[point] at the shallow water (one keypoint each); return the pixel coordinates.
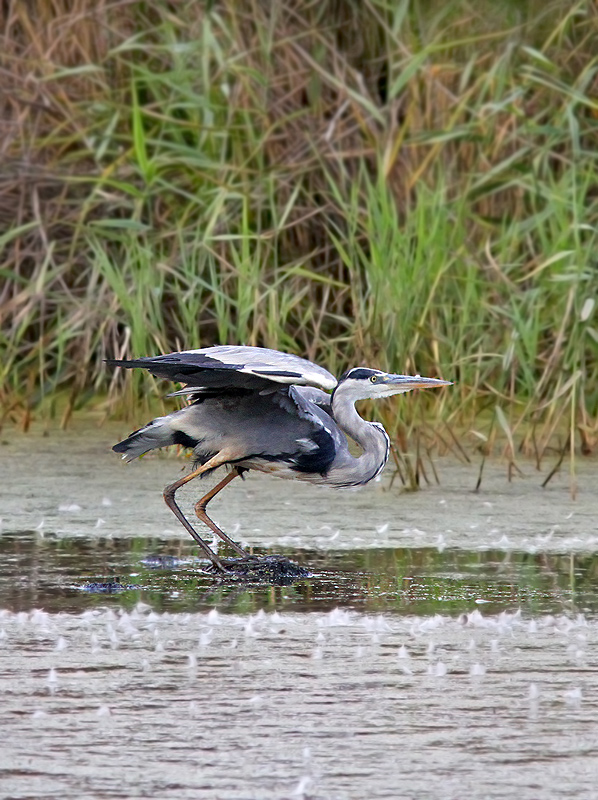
(445, 645)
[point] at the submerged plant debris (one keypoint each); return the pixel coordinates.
(106, 587)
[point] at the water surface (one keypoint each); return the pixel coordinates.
(445, 645)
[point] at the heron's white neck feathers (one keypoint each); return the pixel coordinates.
(349, 470)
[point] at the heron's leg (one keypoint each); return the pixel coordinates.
(169, 493)
(200, 510)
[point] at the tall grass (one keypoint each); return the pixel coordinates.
(406, 184)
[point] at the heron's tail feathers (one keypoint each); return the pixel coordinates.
(158, 433)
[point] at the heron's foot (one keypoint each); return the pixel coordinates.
(276, 570)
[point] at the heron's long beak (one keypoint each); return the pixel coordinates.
(405, 383)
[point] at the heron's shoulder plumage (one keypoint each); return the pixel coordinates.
(309, 396)
(230, 366)
(312, 406)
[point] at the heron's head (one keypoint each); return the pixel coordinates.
(361, 383)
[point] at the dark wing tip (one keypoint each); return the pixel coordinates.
(124, 362)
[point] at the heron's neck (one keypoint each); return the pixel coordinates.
(371, 437)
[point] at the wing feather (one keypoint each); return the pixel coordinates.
(233, 367)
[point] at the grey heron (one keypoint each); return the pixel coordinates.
(257, 409)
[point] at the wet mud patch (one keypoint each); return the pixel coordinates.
(270, 569)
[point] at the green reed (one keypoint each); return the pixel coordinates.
(407, 185)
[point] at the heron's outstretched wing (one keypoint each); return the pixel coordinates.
(255, 368)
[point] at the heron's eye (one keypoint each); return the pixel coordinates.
(373, 378)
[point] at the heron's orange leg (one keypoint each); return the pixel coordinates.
(200, 510)
(169, 493)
